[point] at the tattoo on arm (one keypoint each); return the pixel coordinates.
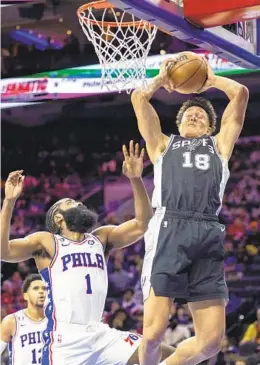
(41, 253)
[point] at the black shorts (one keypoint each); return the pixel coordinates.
(184, 257)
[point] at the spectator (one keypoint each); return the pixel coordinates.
(114, 306)
(252, 334)
(119, 279)
(176, 333)
(129, 304)
(121, 321)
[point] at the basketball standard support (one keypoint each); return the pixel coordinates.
(169, 16)
(258, 36)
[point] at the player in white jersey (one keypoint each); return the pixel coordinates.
(73, 265)
(22, 330)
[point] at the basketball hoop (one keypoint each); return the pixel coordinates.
(121, 42)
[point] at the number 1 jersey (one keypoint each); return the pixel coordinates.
(76, 282)
(190, 176)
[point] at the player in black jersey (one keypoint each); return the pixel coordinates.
(184, 243)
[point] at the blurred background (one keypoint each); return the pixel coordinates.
(72, 148)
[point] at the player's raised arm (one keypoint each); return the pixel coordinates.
(18, 249)
(8, 326)
(148, 121)
(131, 231)
(234, 115)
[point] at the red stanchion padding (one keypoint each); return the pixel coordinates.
(207, 13)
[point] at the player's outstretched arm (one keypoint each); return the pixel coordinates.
(131, 231)
(18, 249)
(234, 115)
(148, 121)
(8, 327)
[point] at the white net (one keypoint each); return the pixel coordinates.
(122, 48)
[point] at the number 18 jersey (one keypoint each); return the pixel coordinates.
(76, 282)
(190, 176)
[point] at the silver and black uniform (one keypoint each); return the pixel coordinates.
(184, 256)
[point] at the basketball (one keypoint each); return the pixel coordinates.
(189, 73)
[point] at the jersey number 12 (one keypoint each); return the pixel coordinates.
(36, 356)
(201, 162)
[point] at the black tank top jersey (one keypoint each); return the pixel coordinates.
(190, 176)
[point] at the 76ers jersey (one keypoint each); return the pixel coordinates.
(190, 176)
(76, 282)
(25, 347)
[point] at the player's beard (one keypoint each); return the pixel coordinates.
(79, 219)
(39, 305)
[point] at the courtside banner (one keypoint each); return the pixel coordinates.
(83, 81)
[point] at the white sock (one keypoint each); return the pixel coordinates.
(163, 363)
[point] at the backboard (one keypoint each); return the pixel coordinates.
(239, 44)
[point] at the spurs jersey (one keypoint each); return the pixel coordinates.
(76, 282)
(25, 347)
(190, 176)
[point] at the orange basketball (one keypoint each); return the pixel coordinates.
(189, 73)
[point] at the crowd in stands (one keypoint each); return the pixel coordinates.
(62, 169)
(18, 59)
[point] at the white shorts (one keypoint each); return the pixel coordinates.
(95, 344)
(151, 240)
